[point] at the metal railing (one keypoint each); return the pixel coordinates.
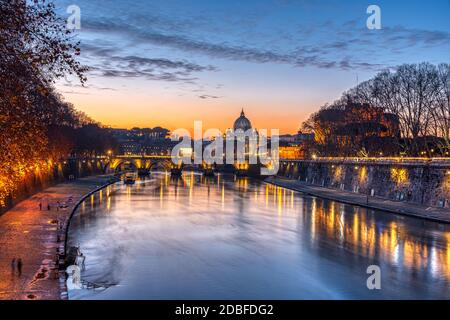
(445, 162)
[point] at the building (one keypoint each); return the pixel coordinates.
(144, 141)
(295, 139)
(242, 124)
(291, 152)
(130, 147)
(294, 146)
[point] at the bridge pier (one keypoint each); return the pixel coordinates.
(143, 172)
(208, 170)
(176, 172)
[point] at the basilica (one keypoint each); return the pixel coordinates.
(243, 124)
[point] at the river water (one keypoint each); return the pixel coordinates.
(228, 238)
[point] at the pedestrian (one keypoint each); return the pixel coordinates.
(19, 266)
(57, 205)
(48, 207)
(40, 206)
(13, 266)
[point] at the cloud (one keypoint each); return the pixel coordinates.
(73, 85)
(207, 96)
(415, 37)
(326, 45)
(108, 64)
(74, 92)
(303, 57)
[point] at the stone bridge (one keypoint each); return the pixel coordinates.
(120, 163)
(146, 163)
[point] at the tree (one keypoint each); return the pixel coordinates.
(35, 50)
(347, 128)
(441, 110)
(415, 96)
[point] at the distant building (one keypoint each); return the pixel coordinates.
(295, 139)
(294, 146)
(244, 124)
(291, 152)
(287, 139)
(144, 141)
(130, 148)
(304, 137)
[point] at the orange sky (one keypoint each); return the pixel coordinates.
(169, 65)
(117, 109)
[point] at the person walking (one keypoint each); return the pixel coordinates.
(40, 206)
(19, 266)
(48, 207)
(13, 266)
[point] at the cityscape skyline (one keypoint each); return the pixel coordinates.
(207, 58)
(174, 151)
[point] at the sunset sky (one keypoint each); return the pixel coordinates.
(170, 62)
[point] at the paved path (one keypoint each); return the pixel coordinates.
(31, 234)
(398, 207)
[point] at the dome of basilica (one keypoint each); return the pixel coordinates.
(242, 123)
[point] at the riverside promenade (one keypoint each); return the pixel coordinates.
(404, 208)
(31, 234)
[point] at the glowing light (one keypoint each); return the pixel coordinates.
(399, 175)
(363, 175)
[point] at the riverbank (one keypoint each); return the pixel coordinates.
(35, 236)
(397, 207)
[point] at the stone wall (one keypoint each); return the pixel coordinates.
(44, 178)
(421, 182)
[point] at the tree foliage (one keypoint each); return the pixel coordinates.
(36, 125)
(413, 99)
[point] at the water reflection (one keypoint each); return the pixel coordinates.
(232, 238)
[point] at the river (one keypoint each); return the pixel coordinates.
(238, 238)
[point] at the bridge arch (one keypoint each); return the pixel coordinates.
(165, 164)
(136, 162)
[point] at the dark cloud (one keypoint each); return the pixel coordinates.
(415, 37)
(74, 92)
(146, 63)
(108, 64)
(345, 46)
(73, 85)
(303, 57)
(207, 96)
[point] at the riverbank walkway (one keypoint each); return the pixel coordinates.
(31, 234)
(397, 207)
